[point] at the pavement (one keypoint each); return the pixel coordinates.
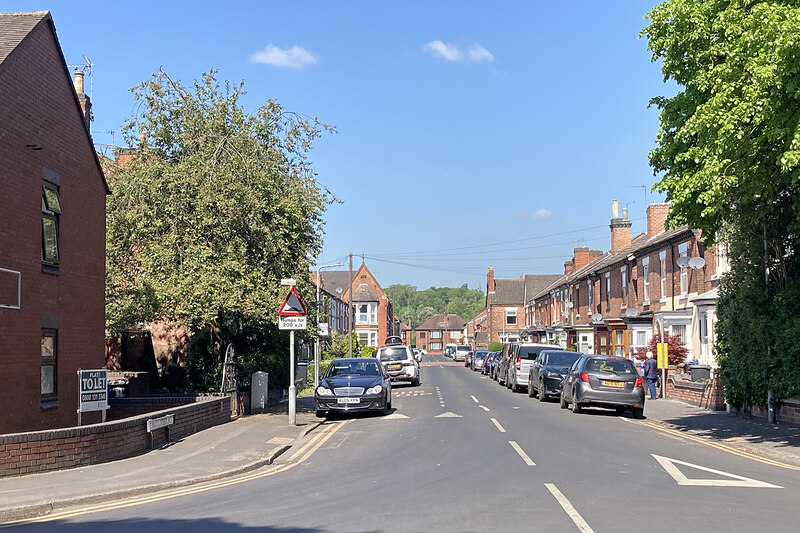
(251, 442)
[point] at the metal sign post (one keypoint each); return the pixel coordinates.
(292, 316)
(662, 351)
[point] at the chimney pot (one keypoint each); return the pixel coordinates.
(79, 81)
(614, 209)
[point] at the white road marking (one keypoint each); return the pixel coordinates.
(573, 514)
(521, 453)
(625, 419)
(448, 414)
(496, 423)
(681, 479)
(474, 399)
(484, 408)
(393, 416)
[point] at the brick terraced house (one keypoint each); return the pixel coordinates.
(52, 230)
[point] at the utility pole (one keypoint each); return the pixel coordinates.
(350, 311)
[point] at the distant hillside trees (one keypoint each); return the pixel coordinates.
(419, 305)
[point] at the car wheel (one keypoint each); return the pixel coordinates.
(514, 387)
(561, 401)
(415, 382)
(542, 395)
(638, 412)
(530, 388)
(576, 407)
(620, 409)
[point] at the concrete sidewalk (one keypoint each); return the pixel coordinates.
(239, 446)
(778, 442)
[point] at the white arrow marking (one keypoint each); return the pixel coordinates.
(735, 481)
(448, 414)
(484, 408)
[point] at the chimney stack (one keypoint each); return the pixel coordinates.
(620, 228)
(85, 102)
(583, 256)
(656, 219)
(490, 280)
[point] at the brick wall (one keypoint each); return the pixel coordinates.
(42, 451)
(40, 109)
(708, 395)
(787, 410)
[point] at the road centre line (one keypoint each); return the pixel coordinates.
(570, 510)
(312, 445)
(474, 399)
(521, 453)
(722, 447)
(496, 423)
(484, 408)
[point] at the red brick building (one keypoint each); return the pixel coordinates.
(52, 231)
(440, 330)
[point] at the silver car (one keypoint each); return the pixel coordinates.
(520, 363)
(603, 381)
(478, 359)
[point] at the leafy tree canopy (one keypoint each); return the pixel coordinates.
(419, 305)
(214, 209)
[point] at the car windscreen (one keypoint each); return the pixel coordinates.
(353, 368)
(464, 348)
(392, 354)
(481, 353)
(528, 352)
(616, 366)
(562, 358)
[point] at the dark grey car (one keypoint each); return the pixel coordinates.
(548, 372)
(478, 359)
(603, 381)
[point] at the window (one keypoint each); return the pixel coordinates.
(680, 330)
(436, 346)
(421, 334)
(641, 338)
(662, 257)
(49, 357)
(368, 338)
(623, 275)
(589, 293)
(51, 210)
(367, 313)
(436, 334)
(608, 290)
(646, 275)
(683, 251)
(619, 343)
(721, 252)
(511, 316)
(455, 335)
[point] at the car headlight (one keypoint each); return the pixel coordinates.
(323, 391)
(377, 389)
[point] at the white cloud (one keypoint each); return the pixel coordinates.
(446, 51)
(539, 214)
(451, 52)
(478, 53)
(294, 57)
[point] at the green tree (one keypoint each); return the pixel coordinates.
(729, 150)
(217, 206)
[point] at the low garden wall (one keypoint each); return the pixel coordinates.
(42, 451)
(708, 395)
(786, 410)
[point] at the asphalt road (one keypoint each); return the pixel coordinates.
(461, 453)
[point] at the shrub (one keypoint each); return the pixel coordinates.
(495, 346)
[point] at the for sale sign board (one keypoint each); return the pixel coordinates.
(93, 390)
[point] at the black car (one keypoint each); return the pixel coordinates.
(354, 384)
(548, 372)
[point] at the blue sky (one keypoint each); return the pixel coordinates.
(469, 133)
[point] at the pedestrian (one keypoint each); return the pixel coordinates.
(651, 374)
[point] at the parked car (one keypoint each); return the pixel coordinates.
(399, 362)
(393, 339)
(488, 362)
(548, 372)
(450, 350)
(519, 365)
(461, 351)
(353, 384)
(478, 358)
(501, 367)
(417, 354)
(603, 381)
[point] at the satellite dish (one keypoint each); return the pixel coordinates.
(631, 312)
(697, 263)
(682, 261)
(569, 305)
(339, 290)
(597, 317)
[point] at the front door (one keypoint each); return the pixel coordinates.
(603, 342)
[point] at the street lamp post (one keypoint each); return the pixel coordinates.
(316, 345)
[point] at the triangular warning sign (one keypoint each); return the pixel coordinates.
(293, 306)
(731, 480)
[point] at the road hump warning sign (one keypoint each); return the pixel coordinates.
(293, 306)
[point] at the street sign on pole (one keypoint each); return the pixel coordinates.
(663, 350)
(293, 305)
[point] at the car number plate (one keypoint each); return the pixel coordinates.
(615, 384)
(396, 366)
(348, 400)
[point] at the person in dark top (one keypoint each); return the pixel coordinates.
(651, 374)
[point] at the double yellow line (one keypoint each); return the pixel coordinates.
(719, 446)
(297, 458)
